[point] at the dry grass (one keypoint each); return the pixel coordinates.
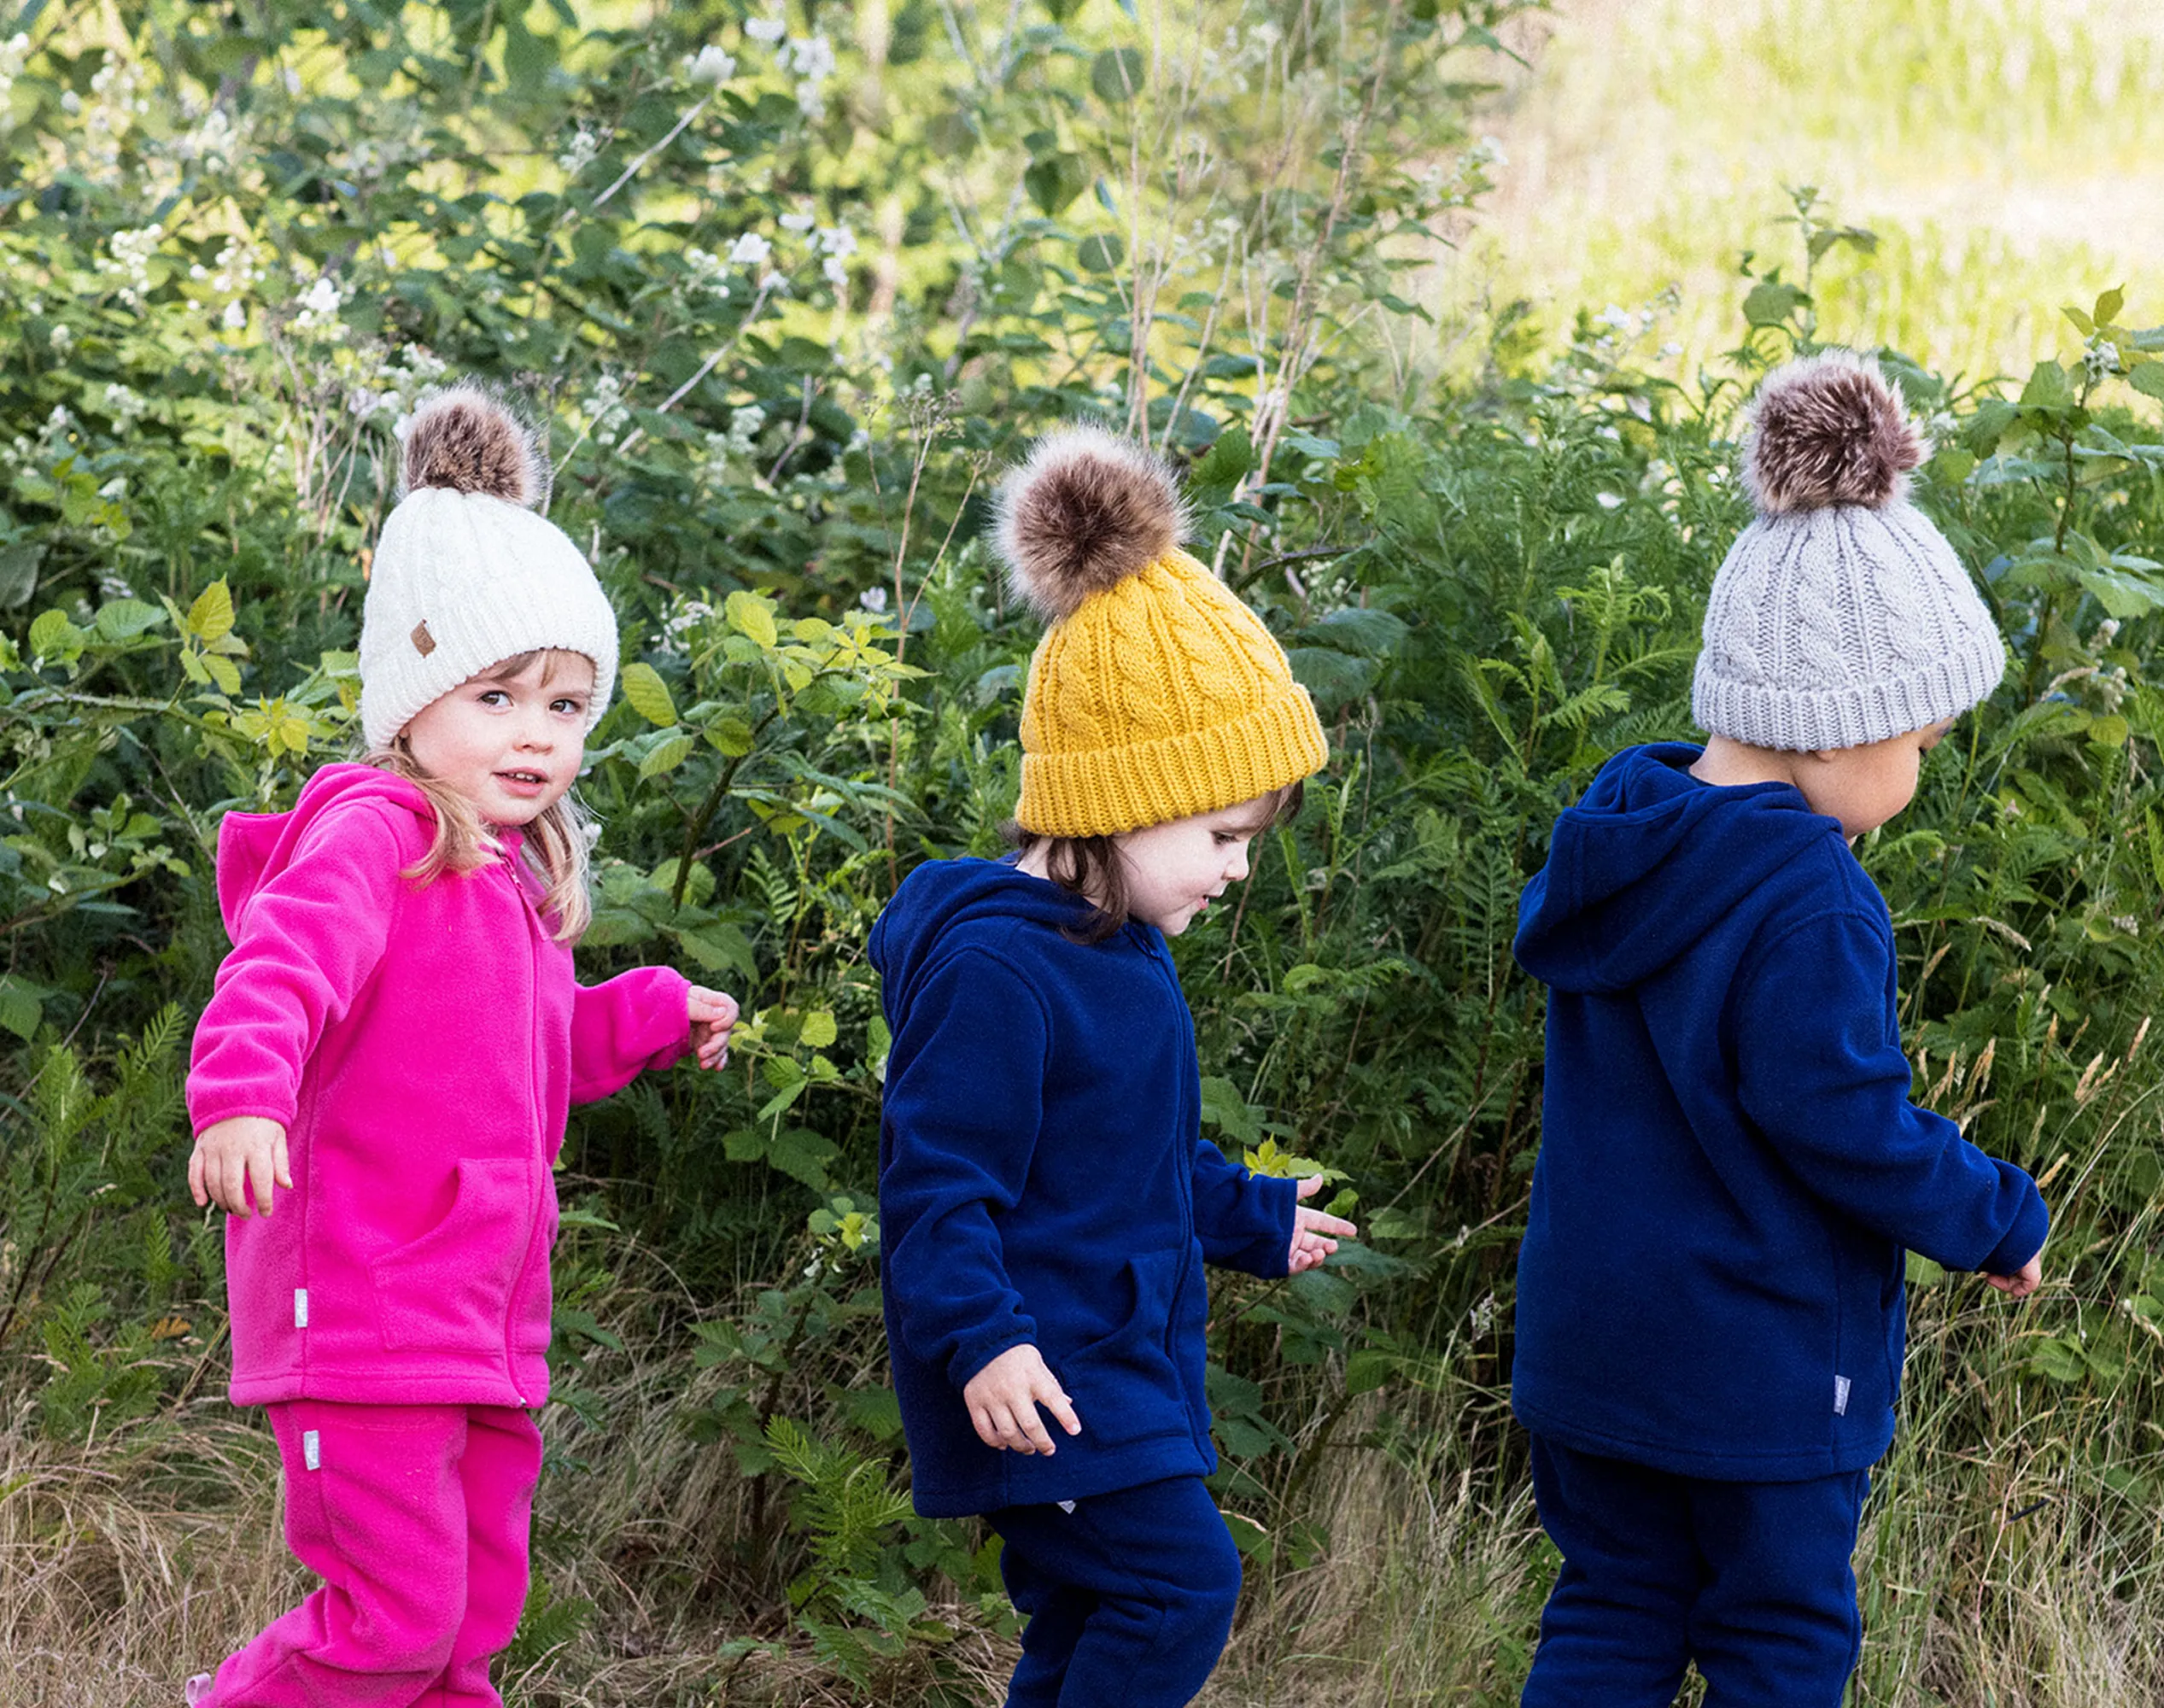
(2007, 151)
(126, 1563)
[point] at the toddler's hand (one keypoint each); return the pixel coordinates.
(1003, 1399)
(2020, 1286)
(231, 1156)
(712, 1016)
(1314, 1235)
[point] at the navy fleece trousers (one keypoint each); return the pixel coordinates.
(1129, 1597)
(1751, 1581)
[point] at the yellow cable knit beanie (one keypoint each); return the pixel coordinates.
(1155, 694)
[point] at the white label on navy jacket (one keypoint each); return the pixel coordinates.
(1840, 1396)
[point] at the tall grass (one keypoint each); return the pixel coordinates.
(2009, 153)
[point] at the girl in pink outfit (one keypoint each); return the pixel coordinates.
(380, 1080)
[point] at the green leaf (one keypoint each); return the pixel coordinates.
(1116, 75)
(2106, 311)
(731, 735)
(223, 672)
(819, 1029)
(54, 638)
(719, 947)
(1218, 473)
(1770, 302)
(21, 1005)
(123, 619)
(648, 694)
(1101, 253)
(2048, 388)
(1054, 180)
(752, 617)
(19, 572)
(2082, 322)
(2149, 379)
(211, 617)
(665, 756)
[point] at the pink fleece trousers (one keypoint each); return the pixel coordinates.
(416, 1519)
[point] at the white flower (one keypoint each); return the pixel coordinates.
(62, 339)
(126, 407)
(810, 56)
(835, 240)
(130, 261)
(1614, 316)
(320, 306)
(217, 138)
(709, 65)
(874, 599)
(578, 153)
(235, 318)
(765, 29)
(797, 222)
(750, 250)
(744, 427)
(836, 271)
(13, 53)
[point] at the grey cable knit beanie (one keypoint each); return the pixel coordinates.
(1841, 616)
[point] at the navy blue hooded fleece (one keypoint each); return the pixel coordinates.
(1730, 1168)
(1043, 1178)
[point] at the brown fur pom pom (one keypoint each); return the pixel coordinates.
(467, 441)
(1086, 510)
(1829, 429)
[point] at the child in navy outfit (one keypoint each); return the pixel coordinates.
(1710, 1312)
(1047, 1199)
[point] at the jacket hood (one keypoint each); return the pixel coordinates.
(942, 894)
(1648, 862)
(255, 847)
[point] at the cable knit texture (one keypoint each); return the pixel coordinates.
(1156, 694)
(1841, 616)
(466, 576)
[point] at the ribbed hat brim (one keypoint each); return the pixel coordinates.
(1109, 791)
(1804, 720)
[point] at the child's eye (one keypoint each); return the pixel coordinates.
(495, 696)
(568, 708)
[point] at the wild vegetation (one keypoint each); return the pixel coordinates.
(788, 289)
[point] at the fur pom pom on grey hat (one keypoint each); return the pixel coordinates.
(1841, 616)
(466, 574)
(1085, 511)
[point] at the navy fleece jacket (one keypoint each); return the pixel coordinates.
(1730, 1168)
(1043, 1178)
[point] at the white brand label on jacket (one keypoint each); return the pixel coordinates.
(1065, 1506)
(300, 1308)
(312, 1450)
(1840, 1396)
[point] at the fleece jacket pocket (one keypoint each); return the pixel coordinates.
(1124, 1386)
(451, 1287)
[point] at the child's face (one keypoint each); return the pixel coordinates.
(1864, 786)
(510, 743)
(1174, 870)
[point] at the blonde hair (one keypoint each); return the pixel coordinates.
(557, 842)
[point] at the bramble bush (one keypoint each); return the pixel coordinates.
(787, 291)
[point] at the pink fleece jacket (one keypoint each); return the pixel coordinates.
(421, 1045)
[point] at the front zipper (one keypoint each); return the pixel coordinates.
(1185, 1176)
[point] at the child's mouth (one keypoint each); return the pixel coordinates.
(523, 782)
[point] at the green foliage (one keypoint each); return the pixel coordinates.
(221, 288)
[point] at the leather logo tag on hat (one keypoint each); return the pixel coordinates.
(423, 642)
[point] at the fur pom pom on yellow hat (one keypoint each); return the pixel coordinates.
(1155, 694)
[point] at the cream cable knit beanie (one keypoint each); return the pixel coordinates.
(466, 575)
(1841, 616)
